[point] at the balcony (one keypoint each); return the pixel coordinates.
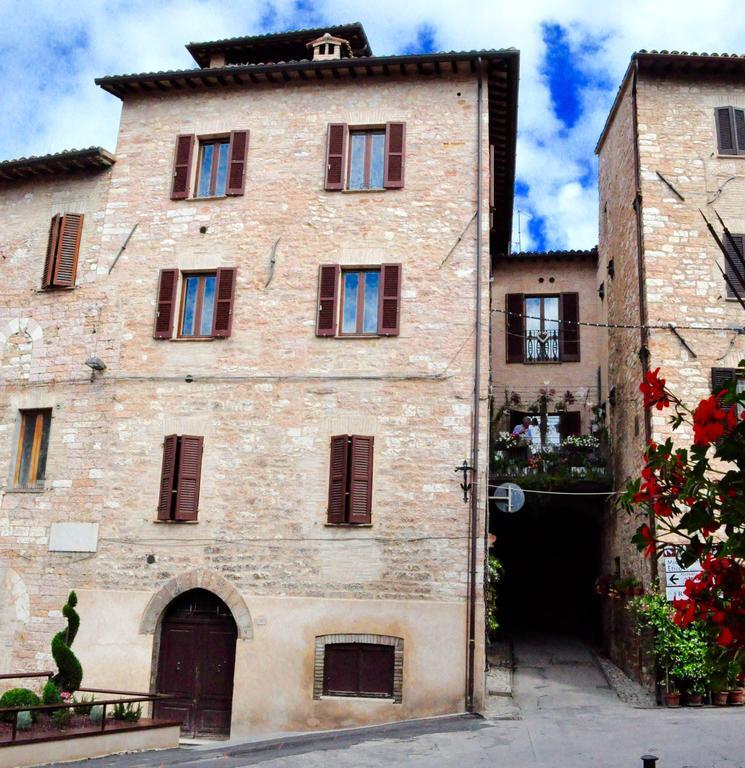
(542, 347)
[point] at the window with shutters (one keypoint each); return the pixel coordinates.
(368, 300)
(31, 450)
(734, 266)
(205, 307)
(350, 480)
(364, 158)
(542, 328)
(63, 247)
(180, 478)
(220, 165)
(212, 169)
(730, 126)
(358, 669)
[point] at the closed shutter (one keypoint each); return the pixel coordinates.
(336, 147)
(570, 423)
(167, 478)
(569, 329)
(189, 475)
(341, 669)
(721, 378)
(376, 669)
(166, 305)
(222, 321)
(725, 131)
(238, 153)
(395, 149)
(338, 479)
(734, 266)
(182, 166)
(328, 289)
(68, 247)
(360, 479)
(514, 324)
(54, 227)
(390, 300)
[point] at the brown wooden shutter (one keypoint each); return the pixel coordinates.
(166, 305)
(54, 227)
(222, 322)
(68, 247)
(338, 479)
(389, 300)
(189, 475)
(336, 150)
(167, 478)
(514, 324)
(182, 166)
(737, 275)
(395, 143)
(570, 423)
(739, 119)
(569, 328)
(720, 379)
(725, 131)
(238, 153)
(360, 479)
(328, 289)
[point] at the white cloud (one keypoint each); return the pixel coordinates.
(51, 53)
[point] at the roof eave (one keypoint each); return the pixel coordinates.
(91, 159)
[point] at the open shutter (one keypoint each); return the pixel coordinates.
(182, 166)
(725, 131)
(569, 329)
(336, 149)
(238, 153)
(570, 423)
(395, 143)
(222, 321)
(165, 500)
(720, 379)
(739, 119)
(338, 479)
(48, 276)
(68, 247)
(736, 275)
(360, 479)
(390, 300)
(328, 289)
(166, 304)
(514, 324)
(189, 474)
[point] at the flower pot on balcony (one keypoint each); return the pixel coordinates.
(672, 699)
(720, 698)
(736, 698)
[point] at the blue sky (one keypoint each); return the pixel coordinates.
(573, 56)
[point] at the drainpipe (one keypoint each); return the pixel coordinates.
(474, 537)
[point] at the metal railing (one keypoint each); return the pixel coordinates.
(542, 347)
(124, 697)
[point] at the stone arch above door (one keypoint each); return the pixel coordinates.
(198, 580)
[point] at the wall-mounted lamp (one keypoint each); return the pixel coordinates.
(95, 364)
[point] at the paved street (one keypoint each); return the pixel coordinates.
(569, 718)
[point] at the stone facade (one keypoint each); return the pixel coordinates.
(266, 400)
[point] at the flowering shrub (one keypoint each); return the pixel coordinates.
(695, 498)
(581, 441)
(504, 441)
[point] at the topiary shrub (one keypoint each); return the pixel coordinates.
(24, 721)
(18, 697)
(50, 693)
(70, 673)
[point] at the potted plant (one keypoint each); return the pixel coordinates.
(736, 694)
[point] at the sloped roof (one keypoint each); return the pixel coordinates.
(67, 161)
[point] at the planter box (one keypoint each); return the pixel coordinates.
(147, 734)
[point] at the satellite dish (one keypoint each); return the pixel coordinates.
(510, 497)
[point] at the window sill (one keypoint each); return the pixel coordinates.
(730, 157)
(346, 697)
(206, 197)
(56, 289)
(364, 191)
(358, 336)
(192, 338)
(348, 525)
(25, 490)
(175, 522)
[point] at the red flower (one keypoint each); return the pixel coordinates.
(710, 422)
(646, 534)
(725, 637)
(653, 389)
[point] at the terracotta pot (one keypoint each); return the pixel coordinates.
(720, 698)
(672, 699)
(694, 699)
(736, 698)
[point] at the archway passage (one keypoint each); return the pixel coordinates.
(196, 662)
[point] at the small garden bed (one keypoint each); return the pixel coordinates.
(79, 725)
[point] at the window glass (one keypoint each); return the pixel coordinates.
(191, 293)
(553, 433)
(551, 313)
(351, 287)
(377, 156)
(31, 456)
(222, 169)
(370, 317)
(533, 312)
(205, 170)
(208, 306)
(357, 161)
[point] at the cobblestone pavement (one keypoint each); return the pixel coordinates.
(570, 717)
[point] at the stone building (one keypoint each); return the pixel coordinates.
(670, 150)
(241, 360)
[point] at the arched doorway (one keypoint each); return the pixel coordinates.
(196, 661)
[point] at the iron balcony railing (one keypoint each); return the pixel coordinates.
(542, 347)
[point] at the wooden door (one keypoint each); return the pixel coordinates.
(196, 663)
